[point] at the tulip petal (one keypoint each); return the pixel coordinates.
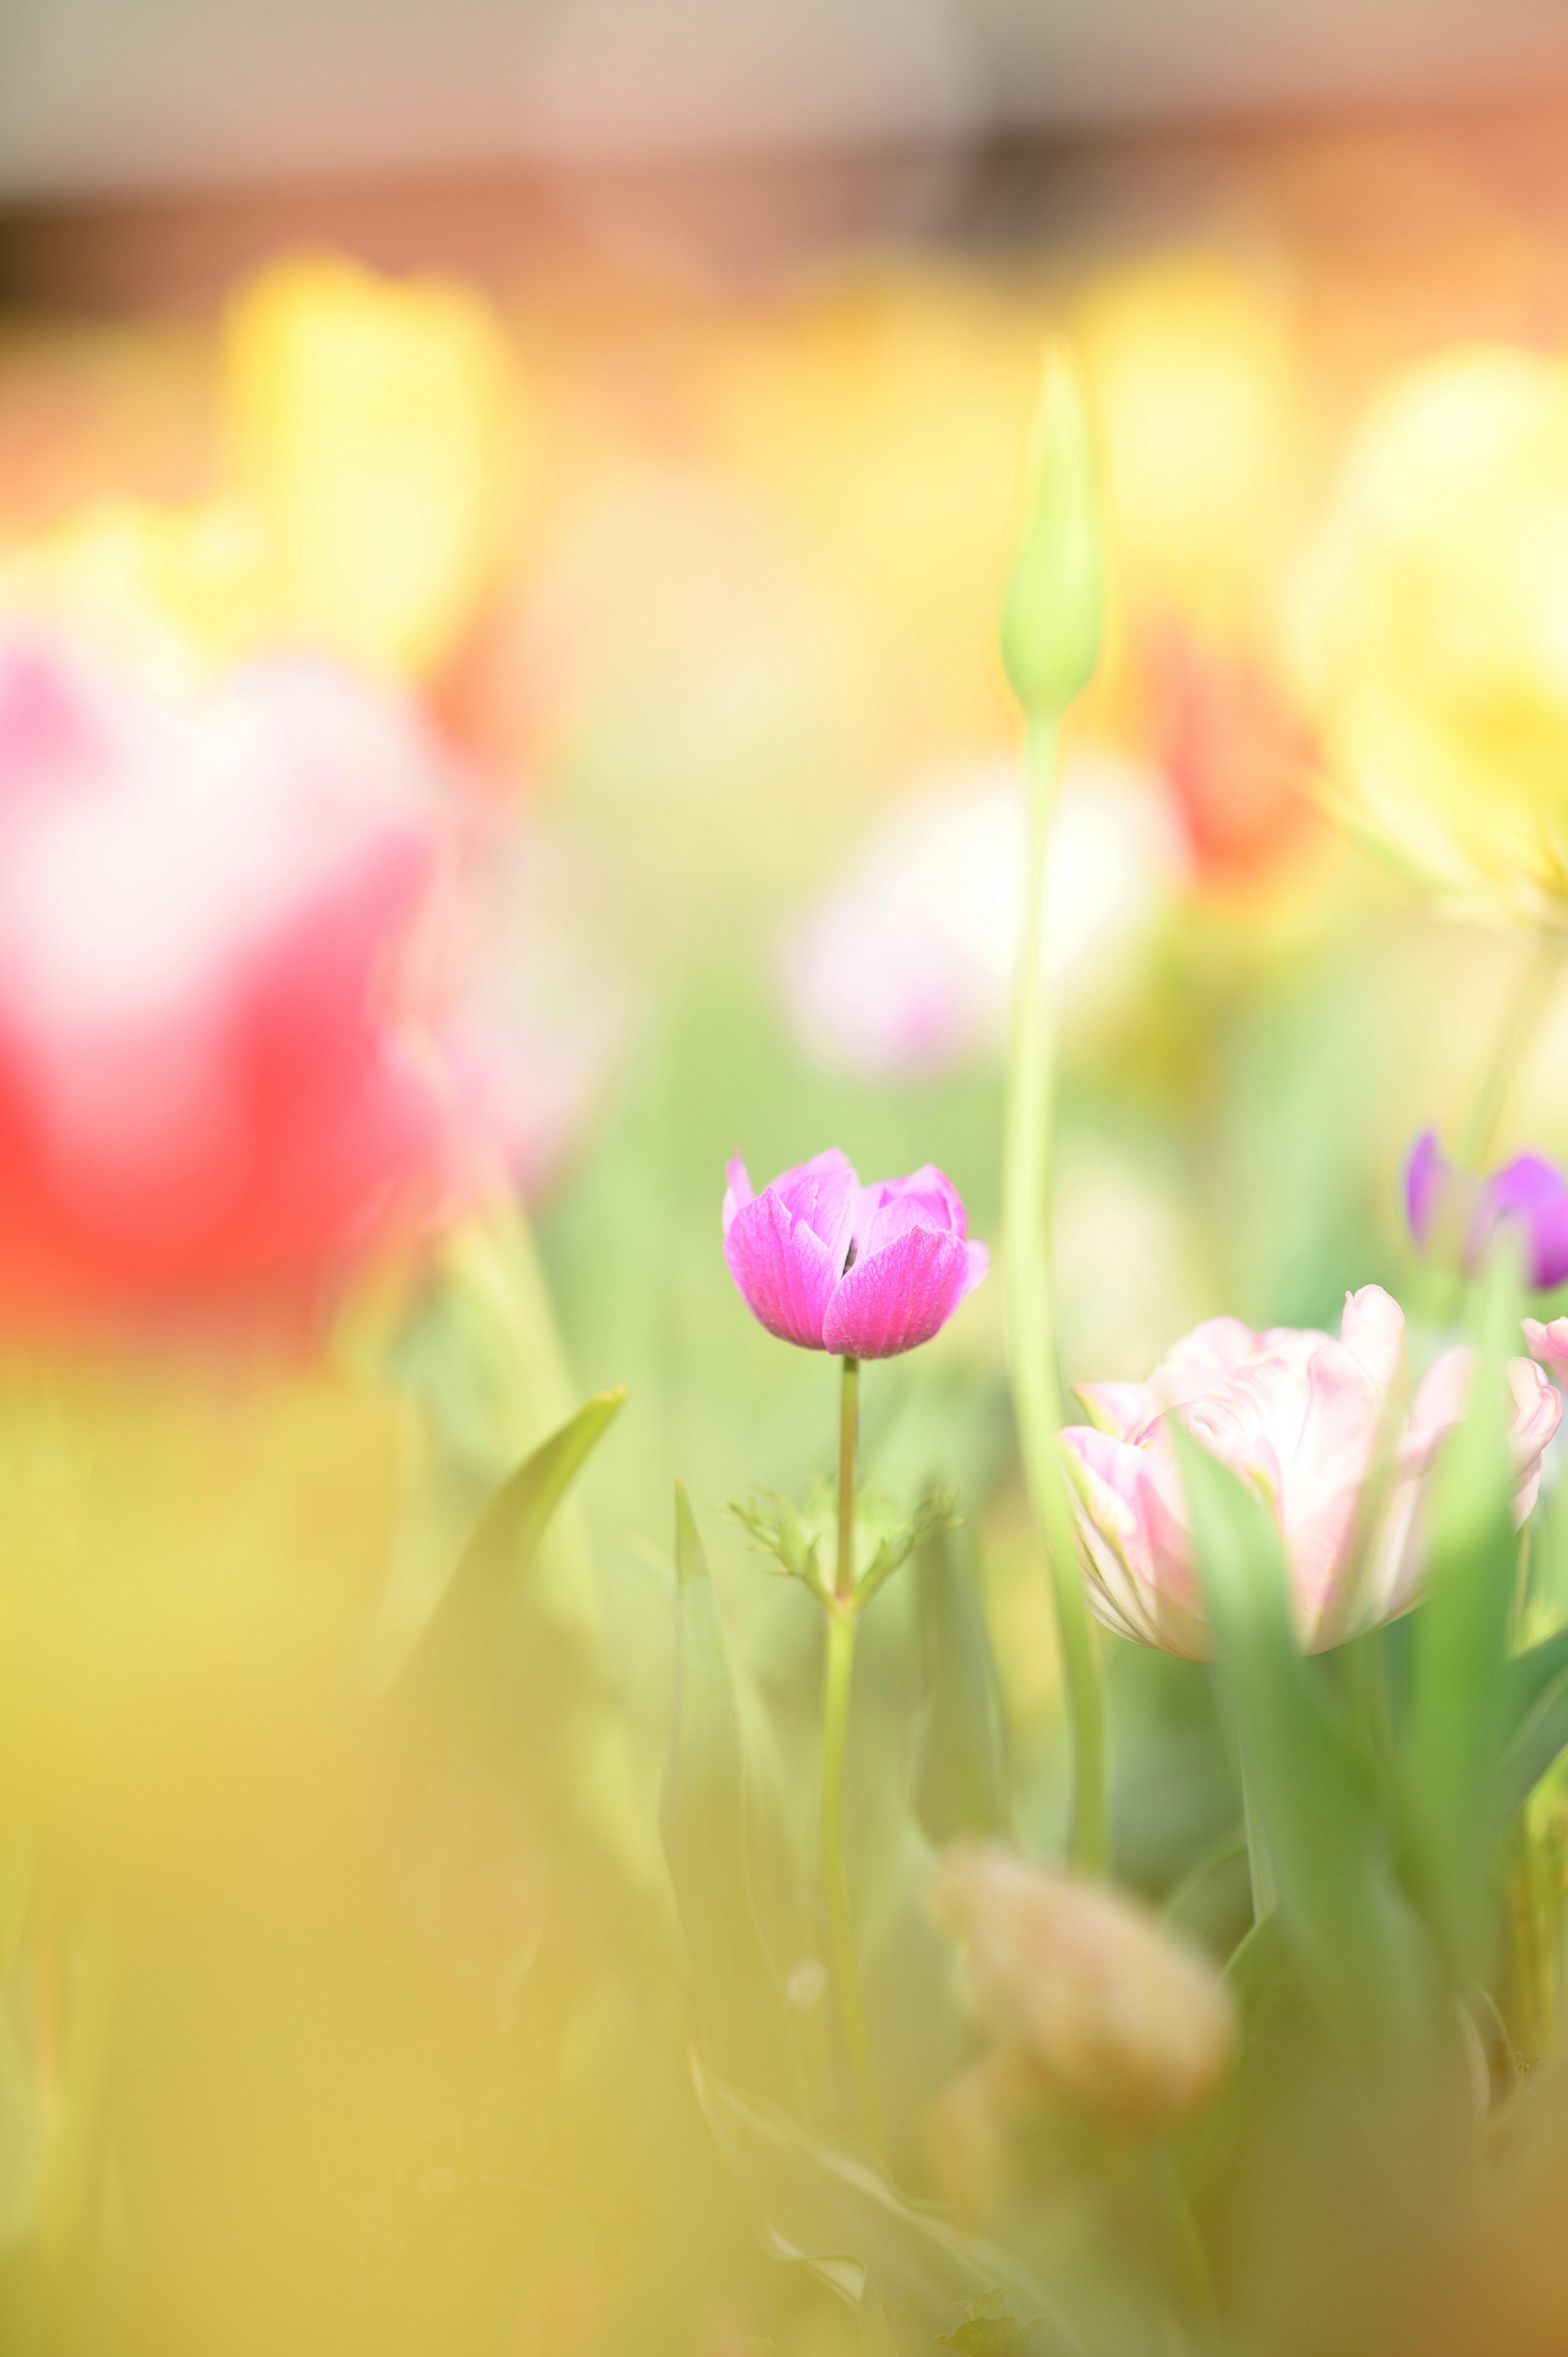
(1536, 1413)
(1202, 1360)
(1548, 1343)
(784, 1272)
(1340, 1435)
(899, 1297)
(1120, 1409)
(1373, 1328)
(1131, 1525)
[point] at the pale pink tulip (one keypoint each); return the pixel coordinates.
(1548, 1343)
(1325, 1429)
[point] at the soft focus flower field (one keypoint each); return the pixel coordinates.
(480, 763)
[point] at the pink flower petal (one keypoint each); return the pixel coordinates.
(1548, 1343)
(1120, 1409)
(1202, 1360)
(898, 1297)
(1373, 1327)
(824, 1195)
(1536, 1413)
(738, 1193)
(1340, 1435)
(1133, 1520)
(784, 1271)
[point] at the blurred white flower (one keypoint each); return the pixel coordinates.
(543, 1015)
(905, 964)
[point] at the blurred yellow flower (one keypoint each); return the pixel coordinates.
(1431, 632)
(884, 416)
(169, 593)
(374, 424)
(1195, 369)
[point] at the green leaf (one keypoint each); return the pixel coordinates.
(1053, 615)
(963, 1782)
(1528, 1675)
(989, 2329)
(937, 1513)
(745, 2019)
(1538, 1742)
(462, 1634)
(1315, 1796)
(1458, 1729)
(798, 1541)
(838, 2216)
(1285, 2049)
(803, 1540)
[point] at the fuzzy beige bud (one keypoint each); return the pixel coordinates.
(1087, 1999)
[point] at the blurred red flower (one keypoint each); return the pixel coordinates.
(212, 1081)
(1238, 757)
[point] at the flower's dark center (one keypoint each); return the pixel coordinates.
(849, 1259)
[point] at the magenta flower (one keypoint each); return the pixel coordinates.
(864, 1272)
(1325, 1429)
(1455, 1216)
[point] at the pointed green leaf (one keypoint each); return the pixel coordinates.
(1457, 1726)
(1315, 1795)
(791, 1536)
(963, 1780)
(839, 2215)
(1528, 1675)
(1536, 1744)
(936, 1511)
(745, 2018)
(1053, 616)
(463, 1633)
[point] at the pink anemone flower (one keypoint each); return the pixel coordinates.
(1325, 1428)
(864, 1272)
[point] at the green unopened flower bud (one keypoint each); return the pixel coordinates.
(1053, 616)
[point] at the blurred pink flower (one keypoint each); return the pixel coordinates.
(229, 1026)
(1548, 1343)
(904, 963)
(1324, 1428)
(864, 1272)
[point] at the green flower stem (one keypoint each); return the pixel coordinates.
(849, 1436)
(1539, 980)
(1036, 1398)
(1257, 1862)
(843, 1621)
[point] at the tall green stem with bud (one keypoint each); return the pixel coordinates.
(1052, 627)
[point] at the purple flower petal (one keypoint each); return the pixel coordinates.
(785, 1271)
(1531, 1194)
(898, 1297)
(1528, 1183)
(1423, 1179)
(1548, 1244)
